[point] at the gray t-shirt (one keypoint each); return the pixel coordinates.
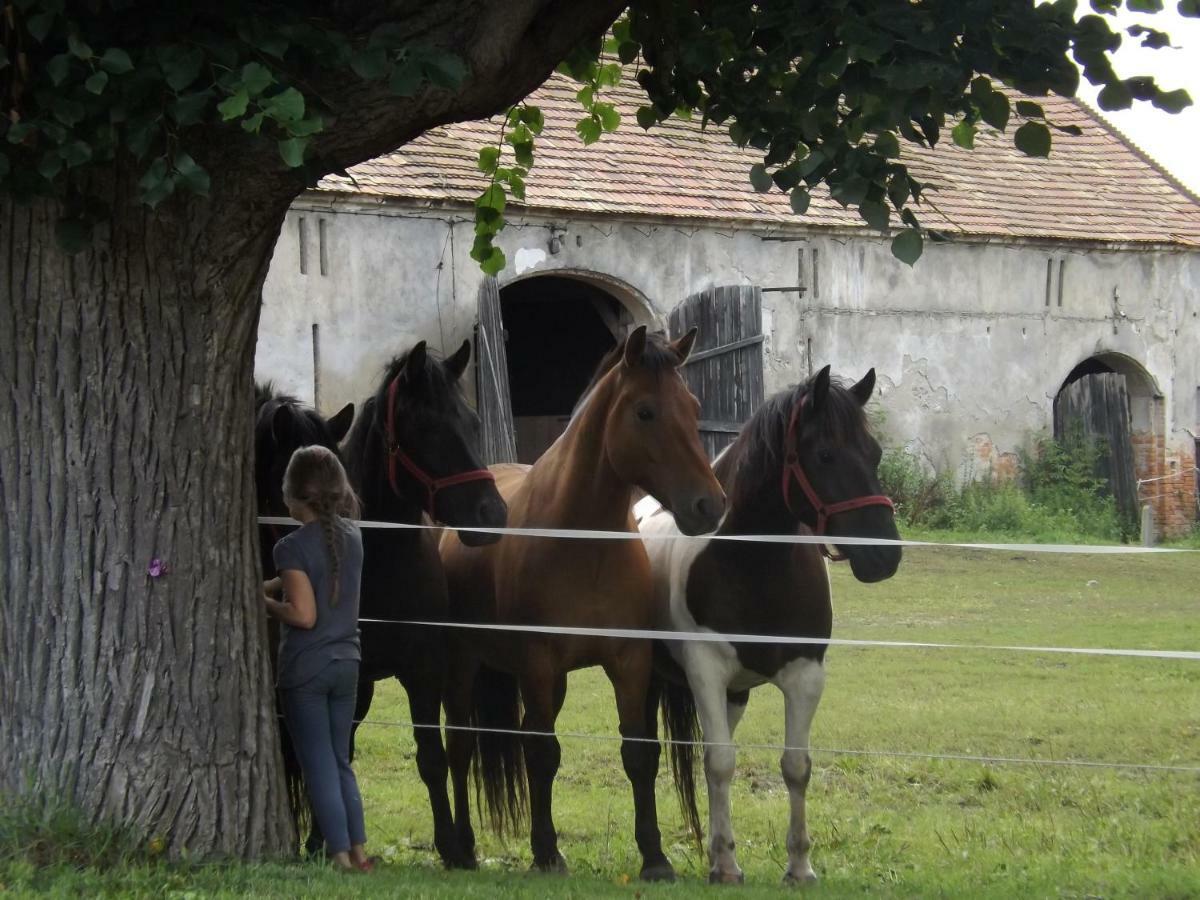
(305, 652)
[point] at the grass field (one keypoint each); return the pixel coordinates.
(890, 826)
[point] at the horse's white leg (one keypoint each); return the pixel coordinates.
(801, 682)
(707, 671)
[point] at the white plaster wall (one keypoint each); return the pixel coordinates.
(964, 343)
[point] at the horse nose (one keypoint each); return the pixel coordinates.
(492, 512)
(709, 508)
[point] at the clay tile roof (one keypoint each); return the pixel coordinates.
(1095, 187)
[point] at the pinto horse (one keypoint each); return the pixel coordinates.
(636, 427)
(805, 463)
(412, 457)
(282, 425)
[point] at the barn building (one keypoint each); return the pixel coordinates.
(1061, 287)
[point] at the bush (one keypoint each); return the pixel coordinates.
(43, 833)
(921, 497)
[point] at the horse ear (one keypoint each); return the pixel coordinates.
(340, 424)
(862, 390)
(820, 390)
(457, 364)
(683, 346)
(414, 366)
(635, 345)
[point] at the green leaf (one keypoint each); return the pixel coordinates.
(69, 112)
(646, 116)
(610, 119)
(533, 117)
(1115, 96)
(588, 129)
(58, 68)
(234, 106)
(1033, 139)
(96, 82)
(73, 235)
(406, 78)
(156, 184)
(389, 35)
(800, 200)
(445, 69)
(306, 127)
(995, 109)
(489, 158)
(286, 106)
(1146, 6)
(609, 75)
(50, 165)
(887, 144)
(116, 61)
(291, 150)
(252, 124)
(188, 109)
(1172, 101)
(39, 25)
(907, 246)
(492, 198)
(75, 153)
(516, 186)
(78, 47)
(181, 66)
(494, 263)
(523, 151)
(19, 131)
(627, 51)
(1030, 110)
(191, 175)
(964, 135)
(760, 179)
(370, 64)
(256, 78)
(586, 97)
(1189, 8)
(875, 214)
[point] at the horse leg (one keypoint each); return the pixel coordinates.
(543, 694)
(460, 747)
(629, 673)
(707, 676)
(802, 682)
(423, 683)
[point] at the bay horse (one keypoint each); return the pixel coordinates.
(806, 462)
(636, 427)
(282, 425)
(412, 458)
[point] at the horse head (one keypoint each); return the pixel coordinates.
(829, 471)
(430, 437)
(651, 434)
(283, 425)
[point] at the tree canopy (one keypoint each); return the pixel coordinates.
(828, 90)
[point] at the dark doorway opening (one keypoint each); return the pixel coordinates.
(558, 329)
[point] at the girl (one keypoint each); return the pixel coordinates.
(320, 566)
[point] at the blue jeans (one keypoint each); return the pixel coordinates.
(319, 716)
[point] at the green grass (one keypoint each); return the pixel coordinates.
(882, 826)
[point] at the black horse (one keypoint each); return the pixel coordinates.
(282, 425)
(411, 457)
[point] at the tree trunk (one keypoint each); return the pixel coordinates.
(126, 373)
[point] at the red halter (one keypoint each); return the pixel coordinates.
(396, 455)
(793, 469)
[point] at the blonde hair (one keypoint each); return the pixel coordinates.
(315, 478)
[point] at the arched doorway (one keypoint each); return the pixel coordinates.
(557, 328)
(1111, 398)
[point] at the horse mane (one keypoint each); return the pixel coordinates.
(658, 356)
(757, 454)
(310, 427)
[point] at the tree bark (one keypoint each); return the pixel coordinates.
(126, 373)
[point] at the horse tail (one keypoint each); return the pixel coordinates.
(500, 783)
(681, 728)
(294, 781)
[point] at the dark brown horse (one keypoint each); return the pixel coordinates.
(805, 463)
(636, 427)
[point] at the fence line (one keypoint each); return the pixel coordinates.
(715, 637)
(835, 751)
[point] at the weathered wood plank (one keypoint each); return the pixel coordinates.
(498, 434)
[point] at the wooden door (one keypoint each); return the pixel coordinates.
(725, 370)
(498, 436)
(1099, 405)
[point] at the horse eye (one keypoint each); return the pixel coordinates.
(825, 456)
(645, 413)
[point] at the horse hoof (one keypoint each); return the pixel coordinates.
(660, 871)
(462, 862)
(737, 876)
(556, 865)
(802, 879)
